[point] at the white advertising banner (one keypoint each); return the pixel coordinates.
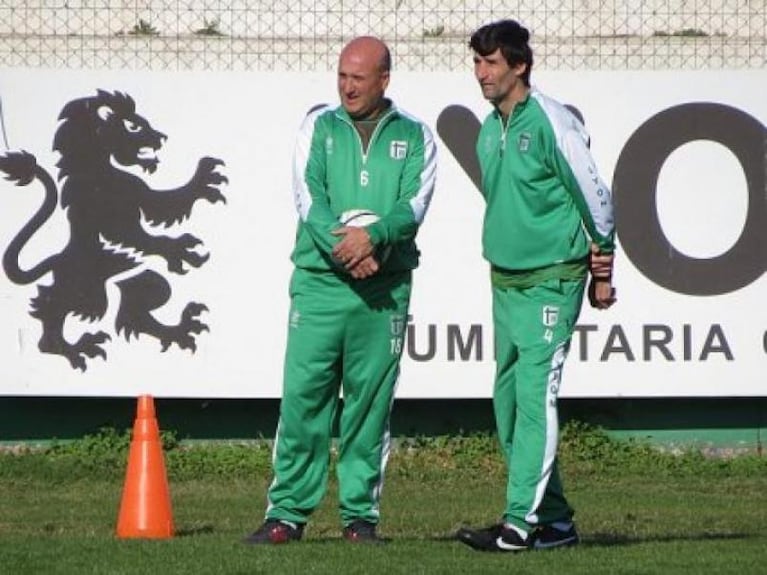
(142, 260)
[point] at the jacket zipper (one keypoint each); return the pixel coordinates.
(373, 136)
(502, 149)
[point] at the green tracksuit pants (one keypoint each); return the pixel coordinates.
(533, 327)
(348, 336)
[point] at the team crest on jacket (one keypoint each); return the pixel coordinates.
(550, 315)
(115, 222)
(398, 149)
(524, 141)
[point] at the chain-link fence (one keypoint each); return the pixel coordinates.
(423, 34)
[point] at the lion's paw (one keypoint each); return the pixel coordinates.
(183, 334)
(89, 345)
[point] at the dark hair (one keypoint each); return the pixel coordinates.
(511, 37)
(385, 63)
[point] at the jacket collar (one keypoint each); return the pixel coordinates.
(389, 111)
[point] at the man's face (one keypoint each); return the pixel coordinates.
(361, 82)
(496, 78)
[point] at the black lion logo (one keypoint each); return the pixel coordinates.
(108, 209)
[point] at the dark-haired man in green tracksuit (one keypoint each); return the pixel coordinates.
(548, 222)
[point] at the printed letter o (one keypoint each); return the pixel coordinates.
(634, 186)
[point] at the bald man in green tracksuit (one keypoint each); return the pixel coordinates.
(364, 174)
(548, 222)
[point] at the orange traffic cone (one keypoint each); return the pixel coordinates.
(145, 510)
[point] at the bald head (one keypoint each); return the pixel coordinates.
(368, 48)
(363, 76)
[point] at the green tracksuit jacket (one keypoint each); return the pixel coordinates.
(344, 333)
(545, 204)
(544, 195)
(394, 179)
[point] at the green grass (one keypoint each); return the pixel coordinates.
(639, 511)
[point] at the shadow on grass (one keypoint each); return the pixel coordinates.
(329, 540)
(194, 531)
(207, 529)
(591, 540)
(617, 539)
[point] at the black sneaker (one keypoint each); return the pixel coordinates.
(494, 538)
(549, 537)
(361, 531)
(274, 532)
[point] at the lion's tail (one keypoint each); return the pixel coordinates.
(22, 169)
